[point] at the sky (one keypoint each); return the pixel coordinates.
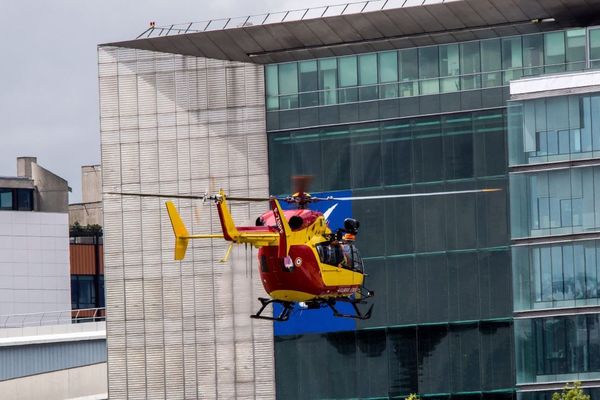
(49, 73)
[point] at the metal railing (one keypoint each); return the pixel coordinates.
(52, 318)
(283, 16)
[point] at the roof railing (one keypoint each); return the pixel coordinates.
(52, 318)
(282, 16)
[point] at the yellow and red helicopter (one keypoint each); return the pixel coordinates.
(301, 260)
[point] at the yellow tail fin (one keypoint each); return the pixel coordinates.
(182, 235)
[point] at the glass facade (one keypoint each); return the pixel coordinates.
(555, 202)
(429, 119)
(549, 200)
(558, 348)
(558, 275)
(468, 360)
(446, 78)
(428, 70)
(440, 266)
(554, 129)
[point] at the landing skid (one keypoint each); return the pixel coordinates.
(358, 314)
(284, 315)
(288, 307)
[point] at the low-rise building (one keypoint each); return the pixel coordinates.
(34, 240)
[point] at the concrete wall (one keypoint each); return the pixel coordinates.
(91, 179)
(86, 213)
(52, 191)
(73, 383)
(175, 124)
(89, 211)
(34, 262)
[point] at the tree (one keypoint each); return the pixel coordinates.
(415, 397)
(571, 392)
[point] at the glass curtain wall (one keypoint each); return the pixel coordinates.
(558, 349)
(558, 275)
(554, 129)
(427, 70)
(555, 202)
(440, 265)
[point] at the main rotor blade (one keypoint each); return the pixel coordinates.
(395, 196)
(186, 196)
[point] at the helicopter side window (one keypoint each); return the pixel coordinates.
(338, 254)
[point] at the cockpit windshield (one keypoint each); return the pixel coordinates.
(340, 254)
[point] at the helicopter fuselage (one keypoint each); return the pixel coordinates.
(309, 273)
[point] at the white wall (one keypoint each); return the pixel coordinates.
(34, 262)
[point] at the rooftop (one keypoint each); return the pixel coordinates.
(361, 27)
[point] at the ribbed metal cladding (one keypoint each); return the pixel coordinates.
(26, 360)
(183, 125)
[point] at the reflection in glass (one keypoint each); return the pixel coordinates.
(308, 83)
(272, 87)
(395, 362)
(557, 348)
(595, 47)
(388, 72)
(553, 129)
(328, 81)
(554, 51)
(551, 276)
(470, 65)
(367, 77)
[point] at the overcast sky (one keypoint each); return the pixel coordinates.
(48, 70)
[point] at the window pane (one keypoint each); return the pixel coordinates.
(554, 51)
(367, 65)
(288, 78)
(428, 68)
(388, 66)
(347, 71)
(409, 72)
(512, 58)
(288, 85)
(6, 199)
(575, 49)
(449, 66)
(24, 199)
(533, 54)
(328, 81)
(308, 78)
(388, 72)
(470, 65)
(595, 47)
(272, 87)
(491, 62)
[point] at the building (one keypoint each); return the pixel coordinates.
(379, 97)
(554, 134)
(34, 241)
(89, 211)
(86, 242)
(47, 357)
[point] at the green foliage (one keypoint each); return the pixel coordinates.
(88, 230)
(415, 397)
(571, 392)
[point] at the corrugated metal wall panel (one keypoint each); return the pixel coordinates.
(83, 259)
(25, 360)
(181, 125)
